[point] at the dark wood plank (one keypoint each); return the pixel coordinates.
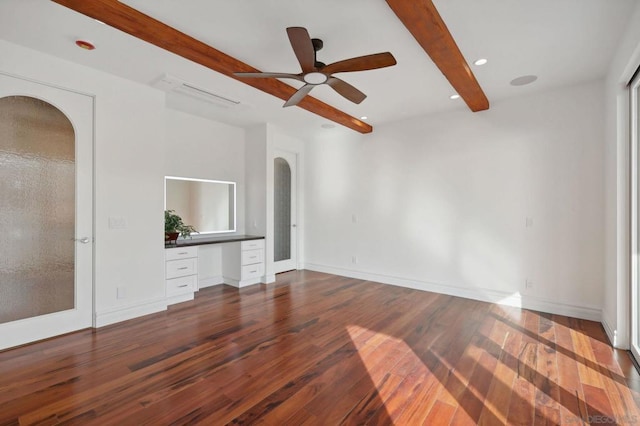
(130, 21)
(321, 349)
(429, 29)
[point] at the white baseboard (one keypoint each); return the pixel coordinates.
(172, 300)
(240, 284)
(611, 333)
(126, 312)
(484, 295)
(268, 279)
(210, 281)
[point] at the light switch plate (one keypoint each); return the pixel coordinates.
(117, 222)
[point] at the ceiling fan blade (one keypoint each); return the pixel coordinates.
(303, 48)
(346, 90)
(268, 75)
(297, 97)
(361, 63)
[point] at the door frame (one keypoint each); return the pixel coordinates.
(634, 157)
(86, 315)
(293, 263)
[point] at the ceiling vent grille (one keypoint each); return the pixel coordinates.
(172, 84)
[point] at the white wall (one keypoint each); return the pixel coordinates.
(615, 316)
(441, 202)
(137, 142)
(129, 162)
(262, 142)
(205, 149)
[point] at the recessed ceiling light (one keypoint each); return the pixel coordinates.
(83, 44)
(481, 61)
(327, 126)
(364, 117)
(524, 80)
(456, 96)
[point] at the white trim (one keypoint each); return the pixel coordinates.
(241, 283)
(172, 300)
(634, 246)
(210, 282)
(611, 333)
(485, 295)
(268, 279)
(123, 313)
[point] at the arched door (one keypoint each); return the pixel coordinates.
(46, 221)
(285, 245)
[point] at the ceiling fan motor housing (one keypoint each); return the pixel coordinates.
(317, 45)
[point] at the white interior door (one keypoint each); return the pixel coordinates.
(285, 240)
(46, 220)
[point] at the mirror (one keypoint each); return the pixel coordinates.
(208, 205)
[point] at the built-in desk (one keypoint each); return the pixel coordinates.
(242, 261)
(200, 241)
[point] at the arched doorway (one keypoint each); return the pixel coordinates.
(285, 212)
(45, 265)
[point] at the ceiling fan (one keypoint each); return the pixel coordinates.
(315, 73)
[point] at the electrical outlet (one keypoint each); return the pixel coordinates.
(528, 284)
(354, 259)
(528, 222)
(354, 218)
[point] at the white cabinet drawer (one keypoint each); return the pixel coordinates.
(180, 253)
(181, 285)
(252, 271)
(250, 257)
(181, 268)
(252, 244)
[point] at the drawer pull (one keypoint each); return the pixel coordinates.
(183, 286)
(183, 252)
(253, 272)
(183, 268)
(253, 257)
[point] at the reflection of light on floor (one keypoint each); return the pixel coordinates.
(379, 354)
(519, 365)
(514, 300)
(389, 361)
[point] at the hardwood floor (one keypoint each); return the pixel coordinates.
(321, 349)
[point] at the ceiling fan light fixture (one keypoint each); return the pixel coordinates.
(456, 96)
(315, 78)
(480, 62)
(364, 117)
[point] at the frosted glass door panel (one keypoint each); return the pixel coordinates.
(282, 210)
(37, 219)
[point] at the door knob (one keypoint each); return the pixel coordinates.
(83, 240)
(293, 226)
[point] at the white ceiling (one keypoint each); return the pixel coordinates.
(563, 42)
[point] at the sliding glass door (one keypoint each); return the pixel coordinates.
(634, 88)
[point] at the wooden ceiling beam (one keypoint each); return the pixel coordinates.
(144, 27)
(426, 25)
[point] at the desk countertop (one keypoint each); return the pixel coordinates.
(199, 241)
